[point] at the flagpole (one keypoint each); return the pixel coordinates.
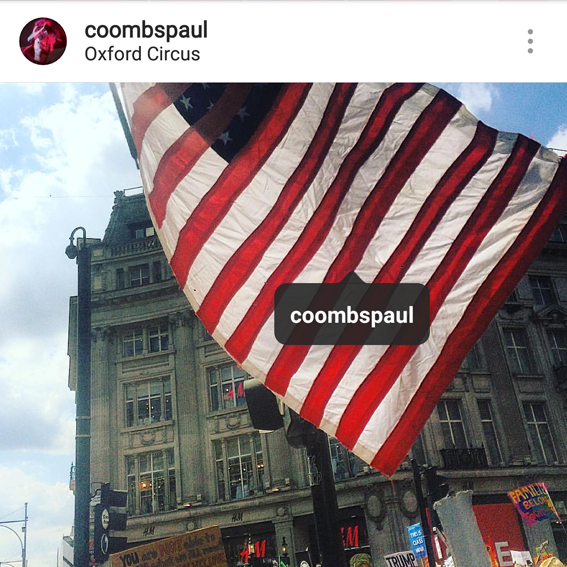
(124, 122)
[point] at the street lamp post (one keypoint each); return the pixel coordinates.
(83, 399)
(24, 529)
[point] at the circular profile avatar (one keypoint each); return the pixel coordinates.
(43, 41)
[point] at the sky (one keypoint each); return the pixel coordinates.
(62, 156)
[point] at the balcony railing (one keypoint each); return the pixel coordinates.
(135, 247)
(472, 458)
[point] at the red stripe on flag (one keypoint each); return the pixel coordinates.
(245, 260)
(414, 148)
(235, 178)
(378, 383)
(150, 104)
(184, 153)
(478, 315)
(431, 213)
(320, 223)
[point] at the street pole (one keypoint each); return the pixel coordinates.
(423, 513)
(83, 400)
(325, 507)
(24, 547)
(22, 543)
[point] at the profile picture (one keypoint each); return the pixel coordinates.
(43, 41)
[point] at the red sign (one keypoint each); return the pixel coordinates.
(500, 531)
(259, 550)
(350, 536)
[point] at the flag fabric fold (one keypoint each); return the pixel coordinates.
(251, 186)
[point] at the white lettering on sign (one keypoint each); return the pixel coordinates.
(504, 556)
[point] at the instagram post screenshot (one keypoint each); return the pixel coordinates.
(284, 283)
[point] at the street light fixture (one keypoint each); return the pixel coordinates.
(83, 398)
(24, 529)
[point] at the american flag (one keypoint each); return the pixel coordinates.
(251, 186)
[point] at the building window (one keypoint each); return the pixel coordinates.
(559, 234)
(542, 290)
(239, 464)
(472, 361)
(151, 482)
(158, 338)
(157, 271)
(133, 343)
(558, 343)
(205, 336)
(155, 338)
(226, 387)
(139, 275)
(344, 463)
(517, 351)
(143, 232)
(452, 424)
(120, 278)
(540, 434)
(418, 450)
(489, 432)
(513, 297)
(148, 402)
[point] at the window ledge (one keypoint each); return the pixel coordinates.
(146, 355)
(528, 376)
(227, 411)
(156, 513)
(155, 425)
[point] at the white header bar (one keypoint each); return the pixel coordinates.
(298, 40)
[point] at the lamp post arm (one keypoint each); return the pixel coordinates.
(16, 534)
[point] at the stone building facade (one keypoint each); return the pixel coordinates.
(171, 426)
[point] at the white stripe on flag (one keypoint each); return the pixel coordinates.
(265, 347)
(421, 270)
(492, 249)
(256, 201)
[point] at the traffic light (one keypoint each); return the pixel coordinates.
(437, 486)
(107, 519)
(263, 406)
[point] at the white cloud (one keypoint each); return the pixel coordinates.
(559, 140)
(31, 88)
(50, 507)
(37, 413)
(7, 139)
(478, 97)
(71, 157)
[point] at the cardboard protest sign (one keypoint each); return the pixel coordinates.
(417, 540)
(533, 503)
(402, 559)
(522, 558)
(201, 548)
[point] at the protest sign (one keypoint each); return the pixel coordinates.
(533, 503)
(402, 559)
(417, 541)
(201, 548)
(522, 558)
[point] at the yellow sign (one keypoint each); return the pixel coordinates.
(201, 548)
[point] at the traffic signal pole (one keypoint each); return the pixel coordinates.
(325, 507)
(423, 513)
